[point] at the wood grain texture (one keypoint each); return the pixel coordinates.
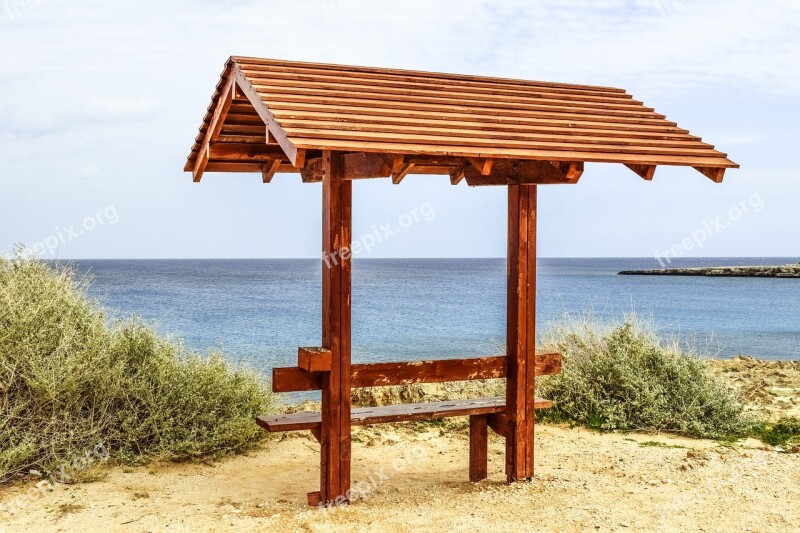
(309, 106)
(336, 320)
(394, 413)
(478, 448)
(521, 331)
(294, 379)
(314, 359)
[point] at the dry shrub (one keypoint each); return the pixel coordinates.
(71, 378)
(624, 377)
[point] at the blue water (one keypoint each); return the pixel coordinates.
(260, 311)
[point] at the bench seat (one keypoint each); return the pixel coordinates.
(394, 413)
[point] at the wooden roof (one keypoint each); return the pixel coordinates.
(273, 116)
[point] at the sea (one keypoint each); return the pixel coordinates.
(257, 312)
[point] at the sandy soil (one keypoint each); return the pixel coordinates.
(415, 479)
(772, 388)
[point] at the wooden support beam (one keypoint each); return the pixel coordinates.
(212, 133)
(363, 165)
(713, 173)
(246, 152)
(314, 359)
(521, 331)
(312, 172)
(269, 169)
(397, 177)
(336, 323)
(232, 166)
(482, 165)
(456, 175)
(478, 448)
(499, 423)
(510, 172)
(294, 379)
(645, 172)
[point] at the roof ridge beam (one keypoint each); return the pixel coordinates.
(513, 172)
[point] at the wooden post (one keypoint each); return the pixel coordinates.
(521, 331)
(478, 447)
(336, 276)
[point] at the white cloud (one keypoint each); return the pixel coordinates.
(123, 86)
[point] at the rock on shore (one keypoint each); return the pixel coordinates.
(783, 271)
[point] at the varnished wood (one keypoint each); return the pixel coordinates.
(714, 174)
(215, 126)
(312, 172)
(314, 359)
(336, 320)
(364, 416)
(526, 172)
(294, 379)
(404, 171)
(521, 331)
(314, 498)
(312, 107)
(269, 169)
(646, 172)
(478, 448)
(365, 165)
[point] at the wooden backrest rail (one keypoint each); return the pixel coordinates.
(296, 379)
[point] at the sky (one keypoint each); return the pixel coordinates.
(100, 103)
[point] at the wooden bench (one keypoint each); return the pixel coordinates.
(482, 413)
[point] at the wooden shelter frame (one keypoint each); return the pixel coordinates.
(335, 124)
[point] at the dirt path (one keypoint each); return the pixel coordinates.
(584, 481)
(415, 479)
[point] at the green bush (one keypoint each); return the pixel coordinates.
(71, 378)
(785, 431)
(625, 378)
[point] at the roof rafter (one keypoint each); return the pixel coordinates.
(295, 155)
(391, 123)
(214, 128)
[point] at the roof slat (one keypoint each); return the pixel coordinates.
(443, 104)
(438, 117)
(277, 79)
(418, 138)
(415, 75)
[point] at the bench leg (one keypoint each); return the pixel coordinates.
(478, 447)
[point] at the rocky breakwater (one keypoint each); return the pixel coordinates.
(782, 271)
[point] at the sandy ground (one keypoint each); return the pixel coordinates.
(415, 479)
(772, 388)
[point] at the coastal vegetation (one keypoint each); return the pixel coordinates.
(625, 377)
(74, 380)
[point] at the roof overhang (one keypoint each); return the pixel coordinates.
(269, 116)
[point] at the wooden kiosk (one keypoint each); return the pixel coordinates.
(335, 124)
